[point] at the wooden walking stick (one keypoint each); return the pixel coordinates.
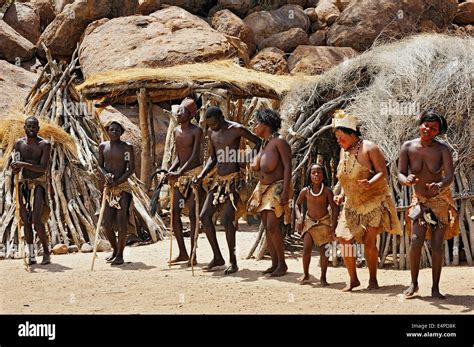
(171, 221)
(19, 222)
(99, 222)
(196, 229)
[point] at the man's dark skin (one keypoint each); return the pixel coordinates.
(223, 135)
(188, 139)
(426, 159)
(34, 161)
(116, 164)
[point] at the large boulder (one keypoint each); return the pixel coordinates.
(318, 38)
(465, 14)
(25, 19)
(271, 60)
(45, 11)
(343, 4)
(312, 60)
(267, 23)
(15, 84)
(168, 37)
(194, 6)
(60, 4)
(287, 41)
(311, 13)
(14, 47)
(239, 7)
(228, 23)
(148, 6)
(62, 35)
(327, 11)
(365, 20)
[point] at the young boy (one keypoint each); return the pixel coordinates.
(116, 164)
(318, 228)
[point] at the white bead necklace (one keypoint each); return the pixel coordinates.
(320, 192)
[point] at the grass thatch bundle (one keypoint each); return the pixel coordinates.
(11, 129)
(387, 88)
(181, 80)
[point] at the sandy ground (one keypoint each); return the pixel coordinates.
(146, 285)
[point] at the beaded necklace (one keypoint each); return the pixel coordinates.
(320, 191)
(272, 136)
(346, 157)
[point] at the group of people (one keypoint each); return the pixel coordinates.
(358, 208)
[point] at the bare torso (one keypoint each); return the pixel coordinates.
(115, 157)
(268, 163)
(317, 205)
(32, 153)
(185, 140)
(225, 140)
(426, 163)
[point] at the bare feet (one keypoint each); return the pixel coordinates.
(46, 259)
(373, 284)
(194, 262)
(351, 286)
(117, 261)
(231, 269)
(179, 259)
(110, 258)
(214, 263)
(269, 270)
(436, 294)
(324, 283)
(411, 290)
(304, 279)
(279, 271)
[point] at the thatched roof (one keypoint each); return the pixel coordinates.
(182, 80)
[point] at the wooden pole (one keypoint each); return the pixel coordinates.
(402, 242)
(196, 230)
(151, 130)
(145, 135)
(171, 221)
(99, 222)
(21, 247)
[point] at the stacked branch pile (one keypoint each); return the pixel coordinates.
(73, 127)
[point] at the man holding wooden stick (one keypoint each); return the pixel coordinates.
(224, 145)
(116, 164)
(32, 158)
(187, 165)
(433, 214)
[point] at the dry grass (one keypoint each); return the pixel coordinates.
(218, 71)
(426, 71)
(11, 129)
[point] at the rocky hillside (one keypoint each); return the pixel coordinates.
(275, 36)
